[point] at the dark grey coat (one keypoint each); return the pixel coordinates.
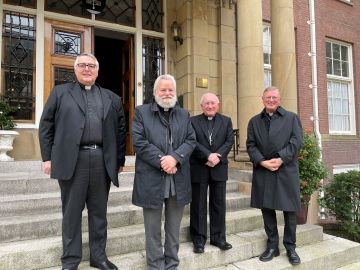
(150, 136)
(61, 127)
(278, 190)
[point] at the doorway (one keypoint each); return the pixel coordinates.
(115, 53)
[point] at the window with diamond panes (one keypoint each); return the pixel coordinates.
(24, 3)
(70, 7)
(152, 15)
(119, 12)
(18, 63)
(153, 65)
(67, 43)
(63, 75)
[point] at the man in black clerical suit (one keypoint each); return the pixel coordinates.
(82, 141)
(209, 168)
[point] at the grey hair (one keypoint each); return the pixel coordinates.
(164, 77)
(89, 55)
(271, 88)
(207, 93)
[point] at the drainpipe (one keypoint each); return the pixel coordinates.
(313, 85)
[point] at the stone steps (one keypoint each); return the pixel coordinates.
(13, 228)
(30, 228)
(29, 254)
(245, 245)
(331, 253)
(49, 202)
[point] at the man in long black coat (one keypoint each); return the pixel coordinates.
(209, 169)
(82, 140)
(273, 142)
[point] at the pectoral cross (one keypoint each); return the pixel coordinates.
(210, 139)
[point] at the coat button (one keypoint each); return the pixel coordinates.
(181, 155)
(159, 156)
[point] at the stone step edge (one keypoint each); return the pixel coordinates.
(315, 256)
(245, 245)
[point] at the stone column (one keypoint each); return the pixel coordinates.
(227, 64)
(283, 58)
(250, 63)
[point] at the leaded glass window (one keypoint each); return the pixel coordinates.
(267, 54)
(71, 7)
(67, 43)
(24, 3)
(18, 63)
(63, 75)
(152, 15)
(120, 12)
(153, 65)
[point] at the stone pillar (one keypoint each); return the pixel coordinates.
(250, 63)
(227, 64)
(283, 58)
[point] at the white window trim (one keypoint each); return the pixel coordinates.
(350, 80)
(345, 168)
(267, 66)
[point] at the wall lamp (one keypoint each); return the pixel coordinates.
(176, 29)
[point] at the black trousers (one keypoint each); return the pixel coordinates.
(217, 209)
(270, 224)
(89, 185)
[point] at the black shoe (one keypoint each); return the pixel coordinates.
(221, 245)
(269, 254)
(105, 265)
(198, 249)
(69, 268)
(293, 257)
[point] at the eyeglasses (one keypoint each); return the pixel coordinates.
(84, 65)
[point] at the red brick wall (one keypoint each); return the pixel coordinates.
(338, 21)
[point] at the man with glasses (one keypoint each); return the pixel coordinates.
(273, 142)
(82, 140)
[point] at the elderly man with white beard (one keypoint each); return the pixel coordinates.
(163, 140)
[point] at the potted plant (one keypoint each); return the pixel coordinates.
(311, 170)
(7, 135)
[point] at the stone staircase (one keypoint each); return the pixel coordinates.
(30, 229)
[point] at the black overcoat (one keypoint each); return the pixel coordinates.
(150, 138)
(61, 127)
(278, 190)
(222, 141)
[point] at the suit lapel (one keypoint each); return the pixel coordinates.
(217, 125)
(75, 92)
(204, 126)
(106, 101)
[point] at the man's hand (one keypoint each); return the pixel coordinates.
(168, 164)
(213, 160)
(47, 167)
(272, 164)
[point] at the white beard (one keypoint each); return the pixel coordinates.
(166, 104)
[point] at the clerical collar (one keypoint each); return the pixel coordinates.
(85, 87)
(210, 118)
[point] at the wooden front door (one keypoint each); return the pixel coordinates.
(63, 42)
(128, 89)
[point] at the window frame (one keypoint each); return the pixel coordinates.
(267, 67)
(351, 95)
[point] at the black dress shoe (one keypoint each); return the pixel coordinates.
(221, 245)
(198, 249)
(105, 265)
(269, 254)
(293, 257)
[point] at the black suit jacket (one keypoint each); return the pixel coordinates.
(61, 127)
(222, 141)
